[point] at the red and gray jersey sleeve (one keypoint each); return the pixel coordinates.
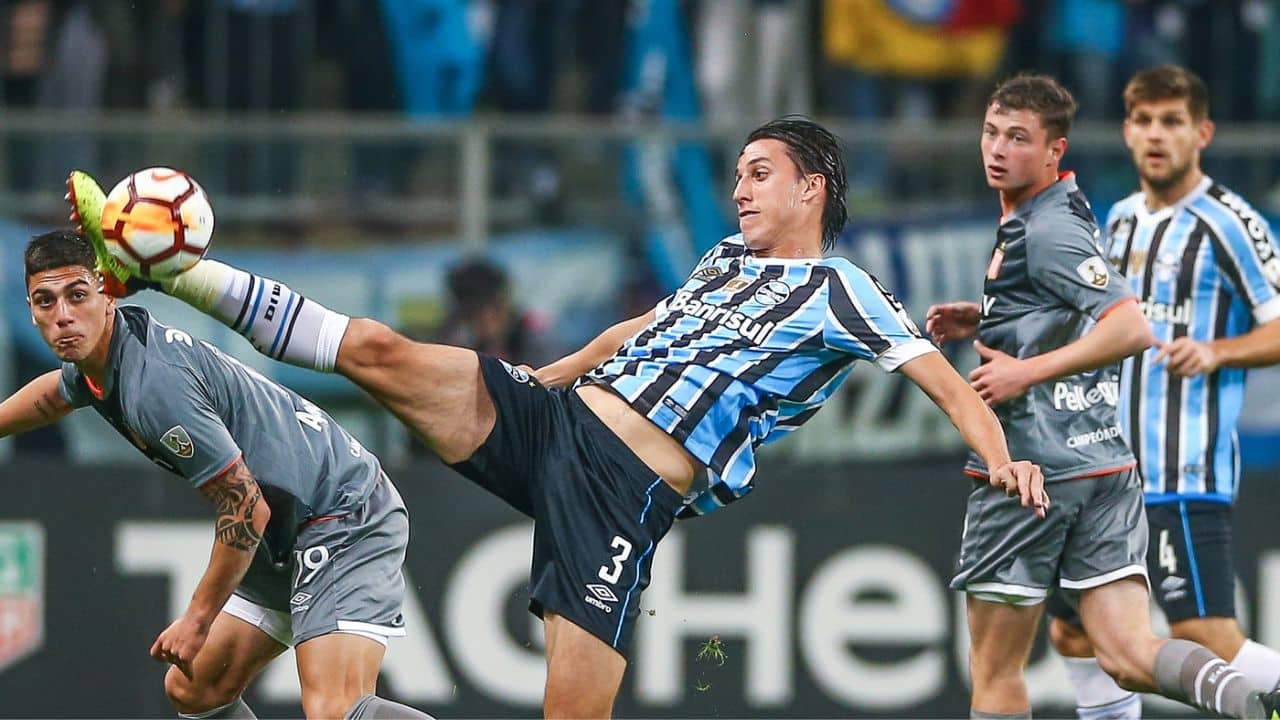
(178, 419)
(1065, 260)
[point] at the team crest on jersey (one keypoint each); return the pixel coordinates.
(708, 273)
(1166, 267)
(1094, 271)
(178, 442)
(1137, 259)
(736, 284)
(773, 292)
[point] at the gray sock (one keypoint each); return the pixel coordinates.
(237, 710)
(372, 707)
(980, 715)
(1188, 672)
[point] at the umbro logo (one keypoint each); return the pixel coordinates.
(299, 598)
(708, 273)
(603, 592)
(1173, 582)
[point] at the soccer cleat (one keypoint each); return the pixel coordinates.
(1263, 705)
(87, 200)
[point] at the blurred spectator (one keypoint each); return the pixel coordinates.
(1089, 38)
(25, 30)
(73, 80)
(534, 42)
(483, 316)
(749, 56)
(249, 56)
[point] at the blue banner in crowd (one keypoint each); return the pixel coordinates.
(672, 182)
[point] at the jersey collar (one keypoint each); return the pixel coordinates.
(118, 333)
(1197, 192)
(1066, 183)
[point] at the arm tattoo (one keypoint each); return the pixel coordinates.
(45, 406)
(234, 495)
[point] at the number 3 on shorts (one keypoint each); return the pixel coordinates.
(611, 574)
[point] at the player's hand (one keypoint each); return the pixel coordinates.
(1186, 357)
(1000, 377)
(952, 321)
(179, 643)
(1024, 479)
(549, 376)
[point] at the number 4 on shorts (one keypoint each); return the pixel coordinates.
(1168, 558)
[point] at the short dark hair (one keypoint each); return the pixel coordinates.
(1042, 95)
(1168, 82)
(475, 283)
(58, 248)
(815, 151)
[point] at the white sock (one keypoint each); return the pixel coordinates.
(1097, 694)
(1260, 665)
(277, 321)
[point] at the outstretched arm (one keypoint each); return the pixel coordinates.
(978, 426)
(241, 518)
(570, 367)
(35, 405)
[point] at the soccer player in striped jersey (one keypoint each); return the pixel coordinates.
(1054, 320)
(602, 446)
(1206, 271)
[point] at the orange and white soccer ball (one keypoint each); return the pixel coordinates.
(157, 222)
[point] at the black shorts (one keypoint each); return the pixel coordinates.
(598, 510)
(1189, 561)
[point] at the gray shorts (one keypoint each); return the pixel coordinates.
(345, 576)
(1095, 533)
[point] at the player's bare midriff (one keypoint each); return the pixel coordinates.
(662, 453)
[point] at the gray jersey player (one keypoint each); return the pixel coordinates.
(310, 534)
(1053, 322)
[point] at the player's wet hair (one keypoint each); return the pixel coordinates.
(1042, 95)
(1168, 82)
(58, 248)
(814, 150)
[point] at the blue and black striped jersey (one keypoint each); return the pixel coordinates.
(748, 349)
(1205, 268)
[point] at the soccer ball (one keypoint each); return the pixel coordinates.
(157, 222)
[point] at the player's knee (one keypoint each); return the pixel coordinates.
(370, 344)
(196, 696)
(1069, 639)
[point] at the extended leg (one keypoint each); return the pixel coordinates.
(1001, 635)
(339, 675)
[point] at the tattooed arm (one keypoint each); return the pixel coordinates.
(37, 404)
(242, 516)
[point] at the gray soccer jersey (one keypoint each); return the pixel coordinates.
(194, 410)
(1045, 287)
